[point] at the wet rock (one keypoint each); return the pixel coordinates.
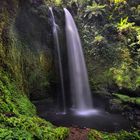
(102, 94)
(138, 124)
(137, 112)
(129, 92)
(130, 116)
(115, 105)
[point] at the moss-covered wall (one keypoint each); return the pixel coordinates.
(25, 71)
(27, 46)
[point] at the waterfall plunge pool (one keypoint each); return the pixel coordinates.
(97, 118)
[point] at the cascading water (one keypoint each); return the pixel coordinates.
(79, 85)
(56, 40)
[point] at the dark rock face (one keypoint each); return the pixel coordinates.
(130, 111)
(33, 26)
(8, 9)
(115, 106)
(137, 118)
(31, 2)
(131, 93)
(37, 2)
(33, 29)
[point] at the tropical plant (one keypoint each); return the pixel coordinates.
(94, 10)
(118, 1)
(124, 24)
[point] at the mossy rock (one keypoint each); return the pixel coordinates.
(128, 100)
(115, 105)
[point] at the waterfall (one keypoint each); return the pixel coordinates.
(57, 45)
(79, 85)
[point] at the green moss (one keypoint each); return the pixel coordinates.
(122, 135)
(18, 120)
(34, 128)
(138, 101)
(12, 99)
(14, 134)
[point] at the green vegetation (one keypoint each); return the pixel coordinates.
(58, 2)
(110, 33)
(18, 118)
(13, 100)
(125, 25)
(30, 128)
(127, 99)
(122, 135)
(118, 1)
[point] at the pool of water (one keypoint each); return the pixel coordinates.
(96, 118)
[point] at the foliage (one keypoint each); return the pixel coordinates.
(122, 135)
(94, 11)
(99, 39)
(13, 100)
(14, 134)
(111, 41)
(21, 71)
(124, 24)
(126, 77)
(30, 128)
(96, 7)
(110, 34)
(18, 116)
(127, 99)
(58, 2)
(54, 2)
(118, 1)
